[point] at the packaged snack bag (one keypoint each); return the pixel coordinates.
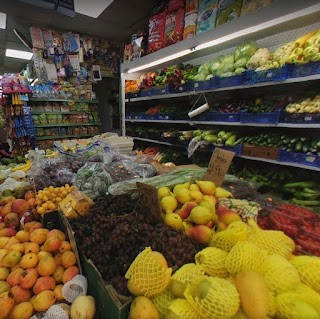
(192, 6)
(156, 32)
(190, 19)
(250, 6)
(228, 11)
(174, 27)
(174, 5)
(207, 15)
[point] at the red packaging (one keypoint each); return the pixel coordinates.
(192, 6)
(174, 5)
(156, 32)
(174, 27)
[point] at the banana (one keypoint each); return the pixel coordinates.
(20, 167)
(51, 155)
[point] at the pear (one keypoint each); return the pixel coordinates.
(227, 216)
(200, 215)
(164, 191)
(222, 193)
(201, 233)
(208, 205)
(183, 196)
(181, 186)
(194, 187)
(178, 308)
(185, 210)
(207, 187)
(168, 204)
(196, 196)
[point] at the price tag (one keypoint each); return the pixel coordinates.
(149, 200)
(218, 166)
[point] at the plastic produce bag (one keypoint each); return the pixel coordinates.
(194, 144)
(93, 179)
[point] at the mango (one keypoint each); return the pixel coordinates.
(39, 236)
(69, 273)
(68, 259)
(24, 310)
(28, 225)
(20, 206)
(4, 286)
(43, 254)
(6, 209)
(56, 233)
(12, 220)
(17, 247)
(58, 293)
(11, 242)
(57, 275)
(4, 273)
(28, 278)
(29, 261)
(23, 236)
(7, 232)
(65, 246)
(11, 258)
(31, 248)
(36, 226)
(57, 259)
(44, 300)
(14, 277)
(52, 244)
(6, 200)
(20, 294)
(44, 283)
(3, 241)
(46, 266)
(6, 304)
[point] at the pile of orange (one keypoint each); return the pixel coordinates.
(48, 198)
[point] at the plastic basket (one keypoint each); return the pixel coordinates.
(301, 70)
(265, 118)
(233, 80)
(278, 74)
(237, 149)
(146, 92)
(204, 117)
(299, 158)
(260, 151)
(300, 117)
(226, 117)
(160, 90)
(133, 95)
(179, 89)
(164, 117)
(200, 85)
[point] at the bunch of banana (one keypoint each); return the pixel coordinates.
(69, 149)
(51, 154)
(25, 167)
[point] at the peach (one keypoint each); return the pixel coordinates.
(28, 278)
(46, 266)
(37, 225)
(57, 275)
(31, 248)
(29, 260)
(23, 236)
(4, 273)
(17, 247)
(11, 258)
(6, 303)
(69, 273)
(52, 244)
(20, 294)
(3, 241)
(56, 233)
(65, 246)
(58, 293)
(29, 195)
(68, 259)
(7, 232)
(39, 236)
(44, 283)
(20, 206)
(23, 310)
(6, 200)
(14, 277)
(44, 300)
(201, 233)
(12, 220)
(11, 242)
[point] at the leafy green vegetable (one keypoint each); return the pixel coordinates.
(245, 51)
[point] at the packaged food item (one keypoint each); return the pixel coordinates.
(64, 130)
(47, 131)
(85, 118)
(59, 118)
(156, 32)
(127, 53)
(36, 38)
(190, 25)
(228, 10)
(174, 27)
(84, 130)
(207, 15)
(250, 6)
(52, 118)
(35, 119)
(56, 107)
(40, 131)
(48, 107)
(192, 6)
(64, 107)
(43, 118)
(174, 5)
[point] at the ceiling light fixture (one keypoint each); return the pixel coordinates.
(3, 20)
(163, 60)
(91, 8)
(24, 55)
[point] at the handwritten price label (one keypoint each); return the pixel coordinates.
(149, 200)
(218, 166)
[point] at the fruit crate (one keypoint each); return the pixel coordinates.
(276, 74)
(146, 92)
(160, 90)
(296, 222)
(301, 70)
(261, 118)
(270, 153)
(299, 158)
(226, 117)
(234, 80)
(133, 95)
(207, 116)
(236, 149)
(180, 88)
(302, 118)
(200, 85)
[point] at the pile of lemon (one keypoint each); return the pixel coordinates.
(48, 198)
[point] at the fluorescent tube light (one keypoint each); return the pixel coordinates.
(163, 60)
(3, 20)
(91, 8)
(24, 55)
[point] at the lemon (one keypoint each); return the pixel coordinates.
(58, 199)
(174, 221)
(51, 188)
(41, 210)
(45, 198)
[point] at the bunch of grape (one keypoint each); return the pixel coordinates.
(116, 231)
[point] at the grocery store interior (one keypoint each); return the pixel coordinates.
(159, 159)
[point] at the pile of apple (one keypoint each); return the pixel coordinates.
(192, 208)
(35, 263)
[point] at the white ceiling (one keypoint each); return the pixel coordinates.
(121, 19)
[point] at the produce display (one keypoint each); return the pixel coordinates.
(310, 105)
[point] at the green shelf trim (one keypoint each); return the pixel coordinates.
(67, 124)
(59, 112)
(35, 99)
(56, 137)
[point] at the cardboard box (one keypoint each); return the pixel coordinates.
(270, 153)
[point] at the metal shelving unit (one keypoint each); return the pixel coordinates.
(56, 137)
(35, 99)
(67, 124)
(58, 112)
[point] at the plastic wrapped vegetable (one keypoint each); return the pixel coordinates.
(238, 71)
(227, 64)
(204, 69)
(215, 66)
(245, 51)
(261, 58)
(282, 53)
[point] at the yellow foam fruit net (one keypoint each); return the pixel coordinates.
(225, 240)
(308, 294)
(279, 274)
(291, 306)
(147, 274)
(213, 298)
(213, 261)
(188, 273)
(181, 309)
(245, 256)
(272, 305)
(309, 270)
(162, 301)
(273, 241)
(240, 315)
